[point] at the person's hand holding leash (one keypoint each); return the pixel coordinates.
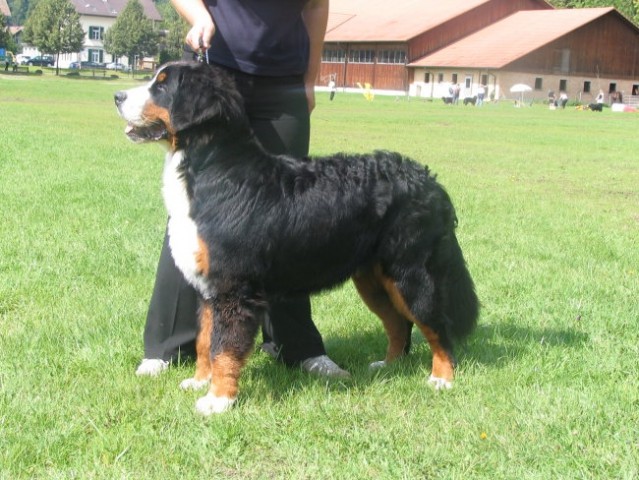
(201, 33)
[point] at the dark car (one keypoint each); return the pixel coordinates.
(91, 65)
(42, 61)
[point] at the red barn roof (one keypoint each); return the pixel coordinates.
(511, 38)
(390, 21)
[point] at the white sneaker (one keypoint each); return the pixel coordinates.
(151, 367)
(324, 367)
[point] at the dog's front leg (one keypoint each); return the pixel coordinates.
(202, 374)
(233, 336)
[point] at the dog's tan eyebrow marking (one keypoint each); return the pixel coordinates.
(161, 77)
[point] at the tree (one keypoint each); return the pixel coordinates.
(176, 28)
(6, 40)
(132, 34)
(629, 8)
(54, 27)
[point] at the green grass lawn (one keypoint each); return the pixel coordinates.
(547, 387)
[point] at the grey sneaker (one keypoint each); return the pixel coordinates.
(324, 367)
(270, 349)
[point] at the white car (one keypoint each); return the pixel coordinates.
(117, 66)
(22, 59)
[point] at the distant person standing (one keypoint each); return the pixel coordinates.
(456, 90)
(481, 93)
(600, 97)
(332, 87)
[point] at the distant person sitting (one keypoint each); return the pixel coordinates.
(563, 99)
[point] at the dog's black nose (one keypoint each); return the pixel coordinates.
(119, 97)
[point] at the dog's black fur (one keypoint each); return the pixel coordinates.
(278, 226)
(470, 100)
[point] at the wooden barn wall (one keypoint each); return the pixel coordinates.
(608, 47)
(467, 23)
(379, 75)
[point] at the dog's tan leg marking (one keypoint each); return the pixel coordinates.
(377, 300)
(443, 369)
(203, 370)
(226, 368)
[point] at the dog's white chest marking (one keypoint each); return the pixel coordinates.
(183, 237)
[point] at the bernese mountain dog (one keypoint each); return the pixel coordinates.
(246, 227)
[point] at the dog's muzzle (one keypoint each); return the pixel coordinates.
(139, 132)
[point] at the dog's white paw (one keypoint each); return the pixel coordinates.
(210, 404)
(440, 383)
(193, 384)
(377, 365)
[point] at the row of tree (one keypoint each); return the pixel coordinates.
(20, 9)
(53, 26)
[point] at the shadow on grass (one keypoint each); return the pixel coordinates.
(491, 346)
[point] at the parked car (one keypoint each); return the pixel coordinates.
(91, 65)
(22, 59)
(118, 66)
(41, 61)
(74, 65)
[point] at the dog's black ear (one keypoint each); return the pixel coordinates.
(205, 93)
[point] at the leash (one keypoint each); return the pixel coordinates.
(202, 53)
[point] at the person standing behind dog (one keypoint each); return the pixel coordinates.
(273, 50)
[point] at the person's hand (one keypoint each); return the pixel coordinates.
(201, 33)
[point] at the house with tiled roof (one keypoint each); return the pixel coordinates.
(421, 47)
(96, 17)
(4, 8)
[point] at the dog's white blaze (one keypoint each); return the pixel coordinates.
(183, 238)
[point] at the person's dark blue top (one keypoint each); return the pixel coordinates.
(260, 37)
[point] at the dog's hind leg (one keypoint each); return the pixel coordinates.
(202, 374)
(398, 328)
(414, 298)
(236, 325)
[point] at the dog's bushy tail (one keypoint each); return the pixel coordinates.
(459, 301)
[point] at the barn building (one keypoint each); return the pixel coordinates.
(421, 47)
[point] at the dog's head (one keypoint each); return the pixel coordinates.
(182, 95)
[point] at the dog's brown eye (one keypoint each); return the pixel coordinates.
(161, 78)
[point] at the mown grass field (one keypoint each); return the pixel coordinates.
(547, 387)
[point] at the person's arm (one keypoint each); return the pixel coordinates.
(199, 17)
(315, 17)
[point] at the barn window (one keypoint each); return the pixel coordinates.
(612, 87)
(391, 56)
(539, 83)
(335, 55)
(361, 56)
(562, 85)
(427, 77)
(586, 86)
(484, 79)
(440, 77)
